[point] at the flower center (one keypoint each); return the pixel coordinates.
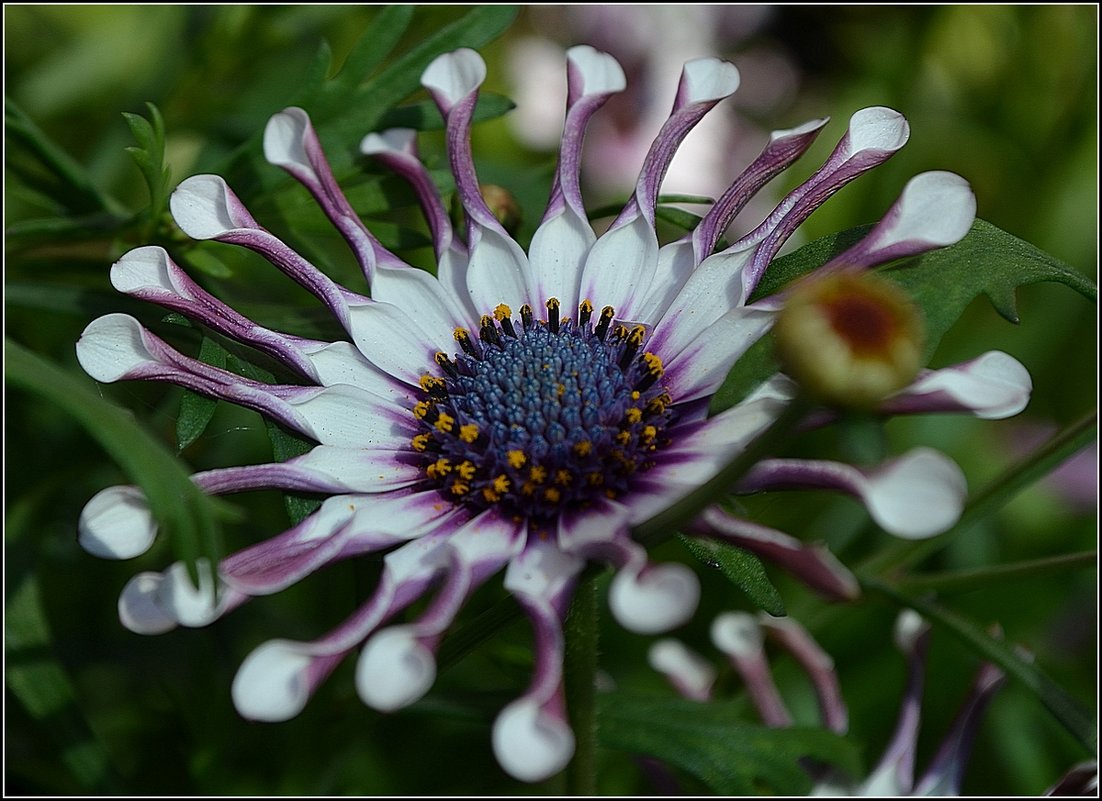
(543, 416)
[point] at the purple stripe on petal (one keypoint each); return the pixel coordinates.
(689, 673)
(739, 636)
(818, 664)
(291, 142)
(992, 386)
(812, 564)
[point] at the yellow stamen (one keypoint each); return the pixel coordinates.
(466, 470)
(421, 408)
(552, 494)
(653, 364)
(421, 441)
(538, 474)
(633, 415)
(516, 459)
(469, 432)
(583, 448)
(445, 422)
(502, 311)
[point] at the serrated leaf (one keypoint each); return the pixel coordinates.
(742, 568)
(150, 158)
(713, 743)
(944, 282)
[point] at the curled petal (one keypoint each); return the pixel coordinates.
(739, 635)
(992, 386)
(451, 77)
(818, 664)
(936, 209)
(690, 673)
(116, 524)
(395, 669)
(654, 599)
(531, 743)
(276, 680)
(151, 603)
(138, 609)
(916, 496)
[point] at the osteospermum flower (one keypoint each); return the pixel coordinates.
(740, 636)
(516, 411)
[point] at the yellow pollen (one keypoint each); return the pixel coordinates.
(501, 483)
(527, 488)
(560, 389)
(624, 437)
(636, 335)
(502, 311)
(586, 306)
(636, 394)
(430, 382)
(516, 459)
(438, 469)
(490, 495)
(538, 474)
(649, 433)
(420, 442)
(633, 415)
(596, 479)
(465, 470)
(445, 422)
(583, 448)
(469, 432)
(563, 477)
(421, 408)
(459, 488)
(552, 303)
(653, 364)
(552, 494)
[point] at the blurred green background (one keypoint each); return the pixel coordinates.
(1004, 95)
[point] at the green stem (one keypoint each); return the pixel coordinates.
(579, 675)
(964, 580)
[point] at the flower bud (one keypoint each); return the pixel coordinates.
(850, 340)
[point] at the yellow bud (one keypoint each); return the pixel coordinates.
(850, 340)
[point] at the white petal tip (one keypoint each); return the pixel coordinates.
(111, 347)
(1000, 388)
(658, 599)
(271, 684)
(141, 268)
(909, 626)
(284, 138)
(691, 673)
(453, 76)
(601, 74)
(394, 670)
(936, 209)
(201, 207)
(116, 524)
(530, 744)
(138, 607)
(708, 79)
(918, 495)
(394, 140)
(878, 128)
(737, 634)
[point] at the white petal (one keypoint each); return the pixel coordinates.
(283, 138)
(112, 346)
(737, 634)
(659, 599)
(530, 744)
(917, 496)
(541, 570)
(394, 670)
(271, 684)
(877, 128)
(392, 341)
(994, 385)
(601, 73)
(393, 140)
(909, 626)
(116, 524)
(138, 608)
(340, 363)
(936, 208)
(346, 416)
(496, 272)
(358, 469)
(453, 76)
(556, 257)
(144, 268)
(202, 207)
(620, 268)
(709, 79)
(692, 674)
(184, 602)
(421, 297)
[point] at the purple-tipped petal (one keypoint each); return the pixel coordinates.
(689, 673)
(992, 386)
(894, 775)
(739, 636)
(935, 210)
(655, 599)
(812, 564)
(818, 664)
(395, 669)
(915, 496)
(116, 524)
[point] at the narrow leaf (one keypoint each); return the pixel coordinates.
(742, 568)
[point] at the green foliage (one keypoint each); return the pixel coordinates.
(741, 568)
(713, 743)
(150, 158)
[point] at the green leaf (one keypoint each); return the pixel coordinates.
(188, 517)
(41, 684)
(63, 178)
(712, 742)
(197, 410)
(742, 568)
(425, 116)
(944, 282)
(1076, 718)
(150, 158)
